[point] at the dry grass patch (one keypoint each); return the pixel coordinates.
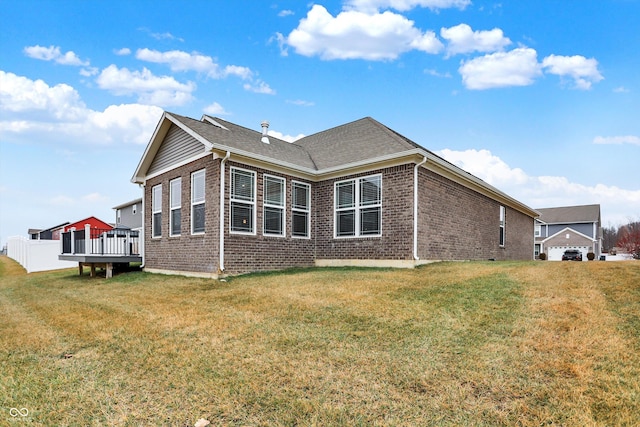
(446, 344)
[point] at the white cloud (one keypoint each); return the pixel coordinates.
(617, 204)
(283, 137)
(518, 67)
(436, 73)
(34, 111)
(405, 5)
(486, 166)
(150, 89)
(21, 95)
(285, 12)
(356, 35)
(215, 109)
(259, 87)
(301, 102)
(462, 39)
(626, 139)
(52, 53)
(583, 71)
(180, 61)
(94, 198)
(621, 89)
(122, 52)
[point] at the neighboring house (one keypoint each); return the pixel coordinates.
(129, 214)
(52, 233)
(92, 222)
(222, 199)
(568, 227)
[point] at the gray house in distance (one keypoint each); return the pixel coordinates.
(219, 198)
(568, 227)
(129, 214)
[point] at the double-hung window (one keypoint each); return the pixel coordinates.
(156, 211)
(274, 206)
(300, 209)
(358, 207)
(502, 225)
(197, 202)
(175, 208)
(243, 201)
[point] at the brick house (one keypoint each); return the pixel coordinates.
(219, 198)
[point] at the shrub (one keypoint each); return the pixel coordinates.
(591, 256)
(542, 256)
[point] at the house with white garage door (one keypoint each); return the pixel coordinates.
(568, 227)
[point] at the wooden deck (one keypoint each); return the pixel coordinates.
(105, 262)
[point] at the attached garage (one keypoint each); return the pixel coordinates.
(555, 252)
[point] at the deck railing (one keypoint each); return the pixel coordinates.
(95, 241)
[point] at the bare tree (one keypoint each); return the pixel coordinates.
(629, 238)
(609, 238)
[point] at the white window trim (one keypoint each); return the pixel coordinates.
(282, 208)
(204, 199)
(252, 202)
(358, 207)
(503, 226)
(296, 209)
(154, 196)
(173, 208)
(118, 216)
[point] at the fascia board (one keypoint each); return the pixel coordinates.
(265, 162)
(456, 174)
(177, 165)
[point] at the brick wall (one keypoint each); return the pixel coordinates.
(189, 253)
(245, 253)
(396, 242)
(456, 223)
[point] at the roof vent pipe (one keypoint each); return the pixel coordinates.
(265, 127)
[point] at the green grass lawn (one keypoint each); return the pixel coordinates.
(447, 344)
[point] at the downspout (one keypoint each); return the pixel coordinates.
(415, 208)
(222, 175)
(142, 233)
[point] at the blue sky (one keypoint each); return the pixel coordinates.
(538, 98)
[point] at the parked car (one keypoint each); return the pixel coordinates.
(572, 255)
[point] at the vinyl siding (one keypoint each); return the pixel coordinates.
(176, 147)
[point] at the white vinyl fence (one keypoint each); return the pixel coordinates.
(37, 255)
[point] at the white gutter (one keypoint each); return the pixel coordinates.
(415, 208)
(141, 238)
(222, 175)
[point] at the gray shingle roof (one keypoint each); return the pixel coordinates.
(241, 138)
(342, 145)
(354, 142)
(570, 214)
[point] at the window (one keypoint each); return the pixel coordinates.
(537, 230)
(197, 202)
(156, 207)
(273, 221)
(118, 216)
(243, 201)
(502, 225)
(175, 197)
(358, 207)
(300, 209)
(134, 209)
